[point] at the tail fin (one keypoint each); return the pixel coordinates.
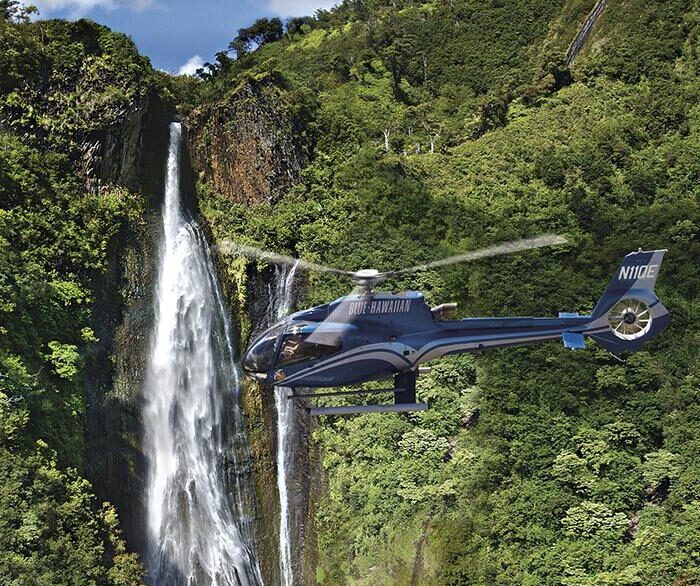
(630, 313)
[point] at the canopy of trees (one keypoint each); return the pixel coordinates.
(58, 82)
(435, 127)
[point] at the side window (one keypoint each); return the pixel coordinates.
(296, 348)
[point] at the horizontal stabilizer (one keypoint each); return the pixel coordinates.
(353, 409)
(573, 340)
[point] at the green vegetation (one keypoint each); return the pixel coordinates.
(442, 126)
(58, 83)
(430, 128)
(51, 529)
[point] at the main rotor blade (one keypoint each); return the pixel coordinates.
(497, 250)
(235, 248)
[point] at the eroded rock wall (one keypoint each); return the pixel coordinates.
(247, 149)
(246, 145)
(132, 155)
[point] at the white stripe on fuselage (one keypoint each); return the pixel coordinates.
(438, 348)
(469, 344)
(392, 353)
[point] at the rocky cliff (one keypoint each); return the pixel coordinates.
(247, 149)
(245, 145)
(131, 155)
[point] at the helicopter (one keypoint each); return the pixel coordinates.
(372, 335)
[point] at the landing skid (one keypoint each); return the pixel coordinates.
(404, 399)
(354, 409)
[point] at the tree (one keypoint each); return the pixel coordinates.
(263, 30)
(299, 24)
(15, 11)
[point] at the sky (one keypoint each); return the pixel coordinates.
(178, 35)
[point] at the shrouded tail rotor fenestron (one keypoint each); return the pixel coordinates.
(630, 319)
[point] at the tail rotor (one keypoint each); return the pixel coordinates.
(630, 313)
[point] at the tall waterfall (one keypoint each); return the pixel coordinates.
(197, 532)
(283, 301)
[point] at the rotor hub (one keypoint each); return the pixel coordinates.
(629, 317)
(365, 279)
(366, 274)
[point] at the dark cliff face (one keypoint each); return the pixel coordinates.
(302, 485)
(133, 152)
(304, 489)
(132, 155)
(303, 473)
(245, 146)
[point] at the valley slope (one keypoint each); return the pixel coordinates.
(378, 134)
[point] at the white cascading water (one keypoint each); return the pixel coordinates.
(284, 426)
(283, 301)
(198, 533)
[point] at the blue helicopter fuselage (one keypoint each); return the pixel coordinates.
(359, 338)
(374, 337)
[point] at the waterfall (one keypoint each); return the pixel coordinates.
(582, 35)
(198, 534)
(285, 420)
(283, 301)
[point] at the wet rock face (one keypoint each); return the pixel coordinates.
(304, 472)
(304, 488)
(246, 146)
(132, 152)
(131, 155)
(259, 406)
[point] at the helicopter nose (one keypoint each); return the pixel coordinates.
(254, 365)
(258, 359)
(250, 364)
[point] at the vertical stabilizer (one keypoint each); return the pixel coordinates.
(629, 312)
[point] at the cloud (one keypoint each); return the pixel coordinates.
(82, 7)
(286, 8)
(191, 66)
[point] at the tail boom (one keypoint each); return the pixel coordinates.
(628, 314)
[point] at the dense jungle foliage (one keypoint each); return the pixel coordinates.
(438, 127)
(58, 83)
(430, 128)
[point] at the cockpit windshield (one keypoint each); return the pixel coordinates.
(299, 347)
(261, 354)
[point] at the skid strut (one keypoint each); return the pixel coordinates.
(404, 399)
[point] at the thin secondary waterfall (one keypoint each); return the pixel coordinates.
(285, 420)
(283, 301)
(197, 531)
